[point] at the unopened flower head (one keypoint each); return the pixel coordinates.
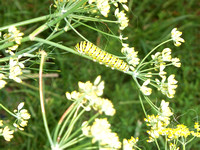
(175, 34)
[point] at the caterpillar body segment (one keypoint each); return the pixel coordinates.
(101, 56)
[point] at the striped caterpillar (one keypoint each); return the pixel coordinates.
(101, 56)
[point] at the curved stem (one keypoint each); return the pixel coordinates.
(152, 52)
(8, 111)
(157, 144)
(43, 54)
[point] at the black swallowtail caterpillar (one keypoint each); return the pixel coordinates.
(101, 56)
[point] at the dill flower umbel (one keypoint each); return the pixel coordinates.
(90, 94)
(145, 90)
(159, 122)
(22, 117)
(122, 19)
(13, 35)
(169, 87)
(129, 144)
(175, 34)
(102, 5)
(7, 133)
(131, 55)
(100, 131)
(15, 69)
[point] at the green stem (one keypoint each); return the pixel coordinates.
(141, 102)
(114, 36)
(91, 119)
(12, 114)
(152, 52)
(26, 22)
(60, 46)
(71, 126)
(190, 140)
(72, 142)
(65, 123)
(86, 18)
(157, 144)
(183, 146)
(43, 54)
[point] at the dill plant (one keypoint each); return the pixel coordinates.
(148, 75)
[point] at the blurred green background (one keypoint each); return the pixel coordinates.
(150, 23)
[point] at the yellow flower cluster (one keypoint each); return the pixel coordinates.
(2, 82)
(159, 122)
(169, 87)
(13, 35)
(159, 127)
(15, 66)
(22, 117)
(6, 132)
(102, 5)
(131, 55)
(129, 144)
(104, 8)
(160, 60)
(122, 19)
(144, 89)
(175, 34)
(100, 131)
(15, 69)
(21, 121)
(90, 93)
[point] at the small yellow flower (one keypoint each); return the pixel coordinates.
(176, 62)
(196, 126)
(100, 131)
(1, 122)
(122, 19)
(7, 133)
(13, 35)
(145, 90)
(22, 117)
(102, 5)
(173, 147)
(169, 87)
(175, 34)
(131, 55)
(128, 144)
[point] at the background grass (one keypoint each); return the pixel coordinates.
(150, 23)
